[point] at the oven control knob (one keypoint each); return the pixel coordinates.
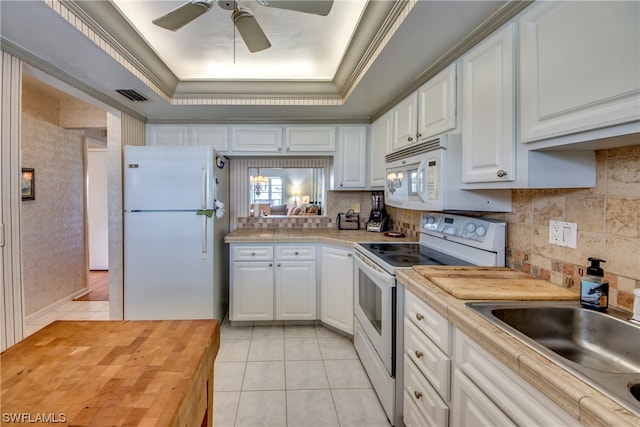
(481, 231)
(470, 227)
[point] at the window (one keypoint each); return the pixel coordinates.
(268, 192)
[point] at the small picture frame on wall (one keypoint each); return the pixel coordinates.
(28, 186)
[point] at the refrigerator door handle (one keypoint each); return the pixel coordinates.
(203, 193)
(204, 236)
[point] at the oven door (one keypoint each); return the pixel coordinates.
(374, 301)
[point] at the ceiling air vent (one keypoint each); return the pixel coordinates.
(131, 95)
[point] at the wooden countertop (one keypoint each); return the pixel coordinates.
(116, 373)
(310, 235)
(583, 402)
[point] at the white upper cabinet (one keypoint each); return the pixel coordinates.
(579, 67)
(488, 109)
(258, 139)
(261, 139)
(310, 138)
(351, 158)
(381, 137)
(437, 104)
(429, 111)
(167, 135)
(405, 118)
(216, 136)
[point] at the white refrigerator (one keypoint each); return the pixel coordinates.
(175, 259)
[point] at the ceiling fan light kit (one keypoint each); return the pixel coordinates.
(242, 17)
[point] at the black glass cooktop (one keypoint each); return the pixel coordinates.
(409, 254)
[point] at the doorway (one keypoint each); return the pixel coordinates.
(97, 221)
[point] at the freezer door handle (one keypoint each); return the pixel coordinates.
(203, 194)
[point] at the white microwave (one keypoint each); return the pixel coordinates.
(427, 176)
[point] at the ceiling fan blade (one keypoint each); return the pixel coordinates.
(182, 15)
(250, 30)
(316, 7)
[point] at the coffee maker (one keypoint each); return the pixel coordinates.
(378, 219)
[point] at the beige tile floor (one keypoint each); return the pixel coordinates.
(294, 376)
(73, 310)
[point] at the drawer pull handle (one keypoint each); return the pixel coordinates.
(419, 354)
(270, 265)
(417, 394)
(419, 316)
(279, 265)
(253, 254)
(296, 253)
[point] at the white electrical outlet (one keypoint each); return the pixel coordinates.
(563, 234)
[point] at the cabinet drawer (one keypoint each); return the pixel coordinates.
(432, 362)
(422, 405)
(295, 253)
(432, 324)
(252, 253)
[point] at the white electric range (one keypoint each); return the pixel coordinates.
(445, 239)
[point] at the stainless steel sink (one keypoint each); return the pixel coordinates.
(601, 348)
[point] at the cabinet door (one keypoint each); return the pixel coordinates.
(167, 135)
(215, 136)
(488, 119)
(381, 136)
(336, 289)
(251, 291)
(437, 104)
(579, 67)
(405, 115)
(470, 407)
(257, 139)
(310, 138)
(295, 290)
(351, 161)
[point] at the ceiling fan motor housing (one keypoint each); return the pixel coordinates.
(228, 4)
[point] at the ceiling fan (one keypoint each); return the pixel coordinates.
(242, 17)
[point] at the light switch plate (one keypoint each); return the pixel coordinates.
(563, 234)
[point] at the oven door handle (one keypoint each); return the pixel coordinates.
(376, 271)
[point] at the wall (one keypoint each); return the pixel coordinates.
(54, 259)
(608, 218)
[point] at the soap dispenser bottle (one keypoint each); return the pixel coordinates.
(594, 290)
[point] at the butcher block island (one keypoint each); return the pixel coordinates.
(115, 373)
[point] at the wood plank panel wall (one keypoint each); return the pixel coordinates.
(10, 176)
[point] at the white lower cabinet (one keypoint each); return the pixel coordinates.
(450, 380)
(295, 289)
(336, 288)
(487, 393)
(265, 286)
(251, 282)
(472, 408)
(427, 365)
